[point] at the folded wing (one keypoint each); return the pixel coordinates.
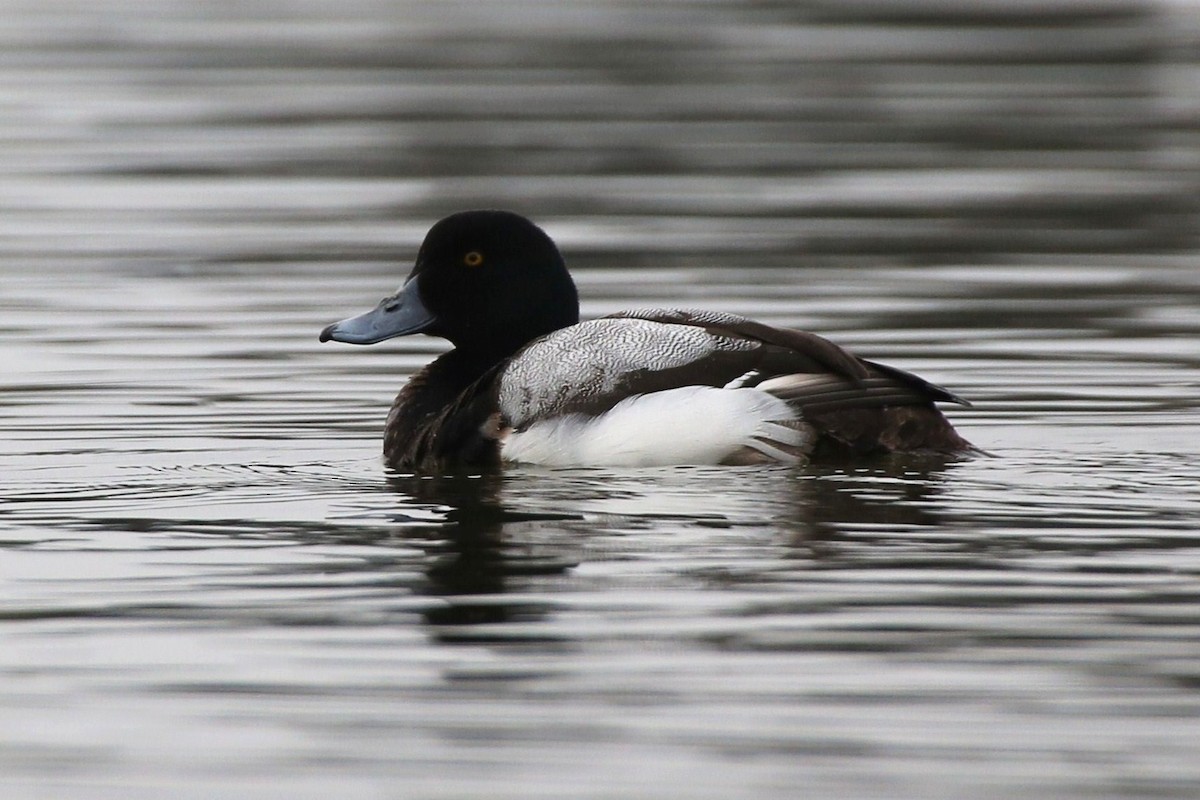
(590, 367)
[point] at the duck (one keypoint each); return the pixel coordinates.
(527, 382)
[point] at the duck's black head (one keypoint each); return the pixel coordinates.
(489, 281)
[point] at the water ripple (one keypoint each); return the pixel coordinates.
(210, 587)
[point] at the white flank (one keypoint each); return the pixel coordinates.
(689, 425)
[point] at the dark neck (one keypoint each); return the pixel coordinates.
(475, 354)
(442, 382)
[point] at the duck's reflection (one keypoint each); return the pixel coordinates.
(473, 555)
(897, 492)
(507, 537)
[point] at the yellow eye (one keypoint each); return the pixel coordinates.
(473, 258)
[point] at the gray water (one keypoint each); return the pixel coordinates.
(209, 586)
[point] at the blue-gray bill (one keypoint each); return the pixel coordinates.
(398, 315)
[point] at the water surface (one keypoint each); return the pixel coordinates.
(209, 586)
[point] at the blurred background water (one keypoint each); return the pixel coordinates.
(210, 588)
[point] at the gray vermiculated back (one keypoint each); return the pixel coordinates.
(581, 367)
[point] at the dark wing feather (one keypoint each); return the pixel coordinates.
(916, 382)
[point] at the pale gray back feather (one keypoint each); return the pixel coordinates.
(589, 367)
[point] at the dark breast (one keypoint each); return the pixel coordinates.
(444, 417)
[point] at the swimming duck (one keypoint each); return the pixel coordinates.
(528, 382)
